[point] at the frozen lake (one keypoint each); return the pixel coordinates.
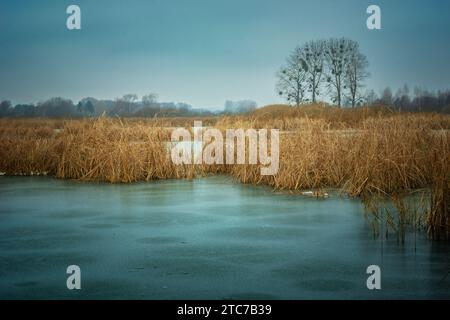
(208, 238)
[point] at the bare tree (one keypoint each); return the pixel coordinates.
(5, 107)
(150, 99)
(337, 59)
(313, 54)
(402, 99)
(370, 97)
(355, 74)
(241, 106)
(386, 97)
(130, 97)
(292, 78)
(125, 106)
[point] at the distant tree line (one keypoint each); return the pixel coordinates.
(241, 106)
(127, 106)
(416, 101)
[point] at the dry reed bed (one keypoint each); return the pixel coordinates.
(387, 156)
(94, 150)
(384, 155)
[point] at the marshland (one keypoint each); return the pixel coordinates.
(368, 181)
(359, 152)
(367, 153)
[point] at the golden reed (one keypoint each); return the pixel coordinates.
(362, 152)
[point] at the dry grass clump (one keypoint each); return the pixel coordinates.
(95, 150)
(28, 156)
(387, 156)
(28, 146)
(107, 150)
(438, 215)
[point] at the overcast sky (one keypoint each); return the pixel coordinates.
(204, 52)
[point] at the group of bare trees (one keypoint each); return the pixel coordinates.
(335, 67)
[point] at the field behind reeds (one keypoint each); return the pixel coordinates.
(362, 152)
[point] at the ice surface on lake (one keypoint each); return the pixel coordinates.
(207, 238)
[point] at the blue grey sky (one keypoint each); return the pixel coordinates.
(204, 52)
